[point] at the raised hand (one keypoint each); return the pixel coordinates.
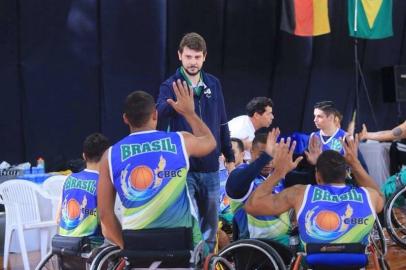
(363, 135)
(184, 103)
(271, 141)
(283, 157)
(314, 150)
(350, 145)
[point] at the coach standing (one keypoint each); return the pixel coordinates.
(203, 178)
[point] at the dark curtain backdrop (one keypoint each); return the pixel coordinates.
(66, 66)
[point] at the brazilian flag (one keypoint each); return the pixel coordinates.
(370, 19)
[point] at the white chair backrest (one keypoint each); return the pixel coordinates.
(20, 199)
(54, 185)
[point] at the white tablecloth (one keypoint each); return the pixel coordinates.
(376, 156)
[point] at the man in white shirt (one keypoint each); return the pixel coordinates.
(259, 115)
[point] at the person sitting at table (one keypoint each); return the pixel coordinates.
(78, 214)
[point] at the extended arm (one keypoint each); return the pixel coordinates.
(202, 141)
(262, 201)
(106, 196)
(350, 154)
(397, 133)
(240, 179)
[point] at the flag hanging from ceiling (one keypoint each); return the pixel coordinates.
(305, 17)
(370, 19)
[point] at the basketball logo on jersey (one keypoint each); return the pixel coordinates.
(73, 212)
(327, 225)
(142, 182)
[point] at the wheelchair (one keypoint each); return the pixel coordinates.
(395, 214)
(264, 254)
(164, 248)
(76, 253)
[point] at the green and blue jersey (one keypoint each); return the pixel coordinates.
(335, 214)
(149, 170)
(79, 205)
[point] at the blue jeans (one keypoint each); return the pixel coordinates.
(204, 192)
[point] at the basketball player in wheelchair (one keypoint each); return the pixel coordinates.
(334, 220)
(79, 227)
(147, 170)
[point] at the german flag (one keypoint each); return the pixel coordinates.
(370, 19)
(305, 17)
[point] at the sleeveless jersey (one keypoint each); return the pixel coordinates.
(332, 143)
(271, 227)
(149, 170)
(335, 214)
(79, 205)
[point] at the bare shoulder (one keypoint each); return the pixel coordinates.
(188, 138)
(295, 193)
(377, 199)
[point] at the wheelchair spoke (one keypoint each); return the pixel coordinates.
(252, 255)
(395, 217)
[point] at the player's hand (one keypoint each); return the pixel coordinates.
(283, 159)
(350, 145)
(271, 141)
(184, 103)
(363, 135)
(314, 150)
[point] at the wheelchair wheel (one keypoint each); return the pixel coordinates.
(107, 258)
(377, 239)
(395, 217)
(250, 254)
(50, 262)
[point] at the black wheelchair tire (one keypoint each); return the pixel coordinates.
(103, 256)
(254, 254)
(392, 224)
(49, 259)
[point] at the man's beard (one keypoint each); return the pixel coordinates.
(191, 74)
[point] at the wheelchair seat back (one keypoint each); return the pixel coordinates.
(71, 246)
(172, 246)
(337, 256)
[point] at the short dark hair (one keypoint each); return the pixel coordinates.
(331, 167)
(258, 105)
(193, 41)
(327, 107)
(260, 138)
(339, 116)
(240, 144)
(138, 107)
(94, 146)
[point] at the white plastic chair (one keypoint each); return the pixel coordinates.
(53, 186)
(20, 199)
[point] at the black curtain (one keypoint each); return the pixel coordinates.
(66, 66)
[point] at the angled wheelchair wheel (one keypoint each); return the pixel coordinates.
(50, 262)
(395, 217)
(107, 259)
(377, 239)
(249, 254)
